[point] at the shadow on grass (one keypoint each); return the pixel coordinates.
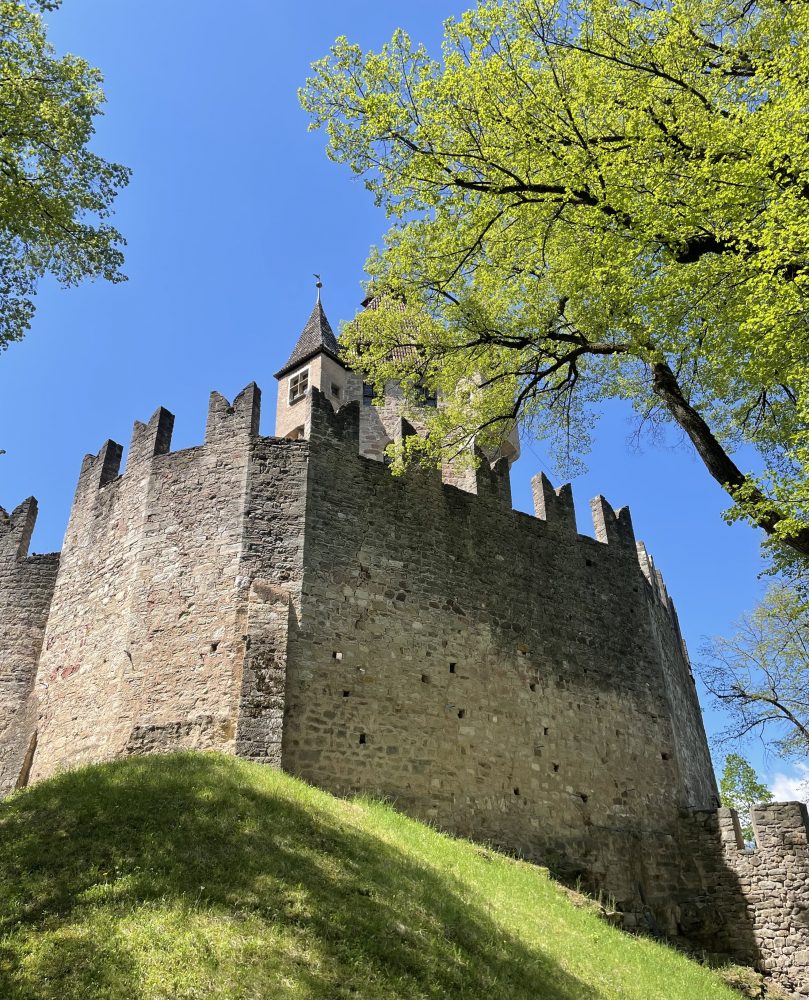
(196, 831)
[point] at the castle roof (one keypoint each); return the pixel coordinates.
(317, 337)
(399, 352)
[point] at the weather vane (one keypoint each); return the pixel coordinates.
(318, 286)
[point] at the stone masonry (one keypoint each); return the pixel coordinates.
(759, 897)
(500, 675)
(26, 589)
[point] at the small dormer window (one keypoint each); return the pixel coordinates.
(298, 385)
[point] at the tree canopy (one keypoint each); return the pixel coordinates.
(740, 789)
(593, 199)
(55, 194)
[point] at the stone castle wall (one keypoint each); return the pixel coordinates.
(144, 644)
(26, 588)
(775, 882)
(759, 897)
(690, 744)
(169, 620)
(270, 573)
(498, 674)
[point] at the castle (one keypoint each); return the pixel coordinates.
(288, 600)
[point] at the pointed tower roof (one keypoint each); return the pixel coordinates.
(317, 336)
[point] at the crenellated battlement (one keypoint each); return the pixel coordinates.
(777, 826)
(340, 426)
(493, 482)
(149, 598)
(16, 530)
(554, 508)
(612, 527)
(241, 419)
(150, 439)
(654, 577)
(227, 424)
(781, 825)
(762, 891)
(102, 468)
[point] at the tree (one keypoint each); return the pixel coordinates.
(740, 789)
(760, 676)
(55, 194)
(592, 199)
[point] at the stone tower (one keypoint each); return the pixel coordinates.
(314, 363)
(317, 362)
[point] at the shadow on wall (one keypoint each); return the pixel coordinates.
(117, 877)
(713, 912)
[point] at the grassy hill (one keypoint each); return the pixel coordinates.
(202, 876)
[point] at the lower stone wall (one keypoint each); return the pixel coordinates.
(775, 881)
(755, 902)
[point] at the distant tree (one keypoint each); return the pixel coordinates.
(740, 789)
(593, 199)
(54, 192)
(760, 676)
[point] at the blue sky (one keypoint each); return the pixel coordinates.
(232, 206)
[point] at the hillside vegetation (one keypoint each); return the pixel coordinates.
(202, 876)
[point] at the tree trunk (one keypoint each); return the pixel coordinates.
(716, 460)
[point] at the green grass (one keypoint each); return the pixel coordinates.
(202, 876)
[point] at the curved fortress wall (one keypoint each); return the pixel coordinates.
(498, 674)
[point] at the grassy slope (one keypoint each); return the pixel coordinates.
(201, 876)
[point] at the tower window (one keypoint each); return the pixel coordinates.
(335, 390)
(368, 394)
(298, 385)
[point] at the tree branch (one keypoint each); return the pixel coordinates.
(716, 460)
